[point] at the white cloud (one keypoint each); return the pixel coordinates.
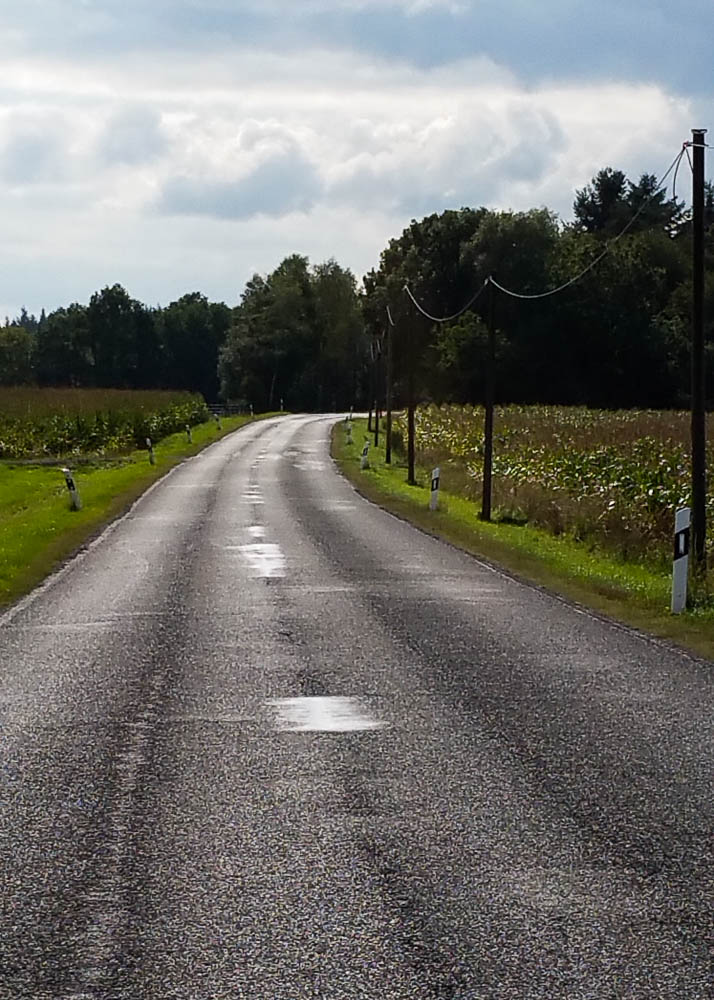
(32, 148)
(280, 185)
(303, 8)
(250, 155)
(132, 135)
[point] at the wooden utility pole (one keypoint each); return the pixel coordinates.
(388, 429)
(377, 391)
(699, 470)
(411, 405)
(490, 396)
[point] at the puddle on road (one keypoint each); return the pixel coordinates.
(323, 714)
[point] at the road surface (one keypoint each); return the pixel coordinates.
(264, 740)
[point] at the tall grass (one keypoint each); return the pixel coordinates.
(612, 478)
(62, 422)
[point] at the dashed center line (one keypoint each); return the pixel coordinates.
(265, 559)
(334, 714)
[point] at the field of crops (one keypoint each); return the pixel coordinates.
(615, 478)
(54, 423)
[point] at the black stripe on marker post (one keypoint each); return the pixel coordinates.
(681, 543)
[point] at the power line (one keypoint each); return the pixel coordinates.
(676, 171)
(674, 165)
(447, 319)
(691, 165)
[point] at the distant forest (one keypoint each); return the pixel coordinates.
(306, 337)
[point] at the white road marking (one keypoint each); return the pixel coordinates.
(323, 714)
(265, 559)
(253, 495)
(310, 465)
(256, 531)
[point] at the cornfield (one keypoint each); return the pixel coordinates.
(55, 423)
(610, 477)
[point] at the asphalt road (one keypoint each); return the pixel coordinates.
(264, 740)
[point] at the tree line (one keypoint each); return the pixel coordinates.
(304, 336)
(619, 337)
(117, 342)
(295, 339)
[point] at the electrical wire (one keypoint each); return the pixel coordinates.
(674, 165)
(676, 171)
(447, 319)
(691, 165)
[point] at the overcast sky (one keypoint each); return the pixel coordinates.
(182, 145)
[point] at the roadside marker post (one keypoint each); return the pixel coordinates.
(680, 566)
(434, 498)
(75, 501)
(189, 435)
(152, 457)
(218, 421)
(364, 460)
(349, 432)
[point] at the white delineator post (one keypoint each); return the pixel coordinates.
(152, 457)
(189, 435)
(680, 567)
(75, 499)
(434, 498)
(364, 461)
(349, 432)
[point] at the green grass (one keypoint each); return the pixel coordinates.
(38, 531)
(629, 592)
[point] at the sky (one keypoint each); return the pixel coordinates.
(184, 145)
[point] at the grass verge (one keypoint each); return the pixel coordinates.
(628, 592)
(38, 531)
